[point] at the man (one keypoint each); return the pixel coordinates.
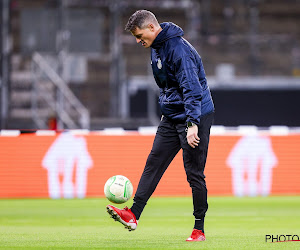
(187, 109)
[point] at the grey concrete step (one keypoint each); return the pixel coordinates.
(26, 113)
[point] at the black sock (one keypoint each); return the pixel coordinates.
(137, 208)
(199, 224)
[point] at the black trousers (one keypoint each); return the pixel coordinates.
(169, 139)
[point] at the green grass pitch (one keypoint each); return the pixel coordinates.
(231, 223)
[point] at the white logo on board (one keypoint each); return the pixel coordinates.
(251, 161)
(66, 152)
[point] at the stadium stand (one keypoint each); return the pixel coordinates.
(255, 38)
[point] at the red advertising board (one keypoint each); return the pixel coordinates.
(68, 165)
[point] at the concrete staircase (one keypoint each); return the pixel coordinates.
(39, 95)
(21, 100)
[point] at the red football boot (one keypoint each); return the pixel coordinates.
(197, 235)
(125, 216)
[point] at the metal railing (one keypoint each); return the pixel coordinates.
(57, 98)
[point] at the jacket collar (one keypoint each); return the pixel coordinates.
(169, 30)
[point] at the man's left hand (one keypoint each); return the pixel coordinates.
(192, 136)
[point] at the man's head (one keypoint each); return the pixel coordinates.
(144, 26)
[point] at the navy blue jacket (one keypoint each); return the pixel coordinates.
(179, 73)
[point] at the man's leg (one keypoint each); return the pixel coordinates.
(165, 147)
(194, 164)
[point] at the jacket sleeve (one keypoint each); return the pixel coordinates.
(186, 74)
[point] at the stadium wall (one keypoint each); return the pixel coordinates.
(244, 162)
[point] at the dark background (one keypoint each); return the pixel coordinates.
(262, 108)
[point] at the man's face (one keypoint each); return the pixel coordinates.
(144, 36)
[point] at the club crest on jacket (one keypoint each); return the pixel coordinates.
(159, 65)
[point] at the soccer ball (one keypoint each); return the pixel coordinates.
(118, 189)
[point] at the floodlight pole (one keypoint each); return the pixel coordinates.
(62, 49)
(5, 52)
(116, 57)
(254, 21)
